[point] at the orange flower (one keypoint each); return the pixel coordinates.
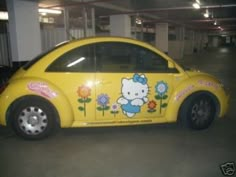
(84, 91)
(152, 104)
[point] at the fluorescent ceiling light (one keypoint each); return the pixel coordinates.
(196, 5)
(206, 15)
(198, 1)
(43, 13)
(138, 21)
(76, 62)
(3, 15)
(50, 11)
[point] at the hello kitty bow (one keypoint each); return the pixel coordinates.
(140, 78)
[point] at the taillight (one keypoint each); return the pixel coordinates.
(3, 87)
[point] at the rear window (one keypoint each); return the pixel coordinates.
(37, 58)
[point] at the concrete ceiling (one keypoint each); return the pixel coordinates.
(175, 12)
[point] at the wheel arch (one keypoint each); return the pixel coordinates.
(28, 97)
(201, 92)
(59, 101)
(173, 110)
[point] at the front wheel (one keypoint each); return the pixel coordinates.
(33, 118)
(198, 111)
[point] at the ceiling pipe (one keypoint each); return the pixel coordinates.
(153, 10)
(212, 20)
(77, 3)
(187, 8)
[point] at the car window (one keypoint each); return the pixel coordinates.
(40, 56)
(80, 59)
(125, 57)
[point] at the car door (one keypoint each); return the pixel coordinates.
(74, 73)
(134, 83)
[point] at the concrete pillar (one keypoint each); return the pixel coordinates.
(189, 42)
(24, 28)
(93, 22)
(120, 25)
(162, 37)
(205, 41)
(197, 40)
(176, 46)
(215, 41)
(180, 34)
(66, 24)
(192, 37)
(85, 21)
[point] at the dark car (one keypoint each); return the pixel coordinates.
(5, 74)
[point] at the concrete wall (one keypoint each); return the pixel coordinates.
(24, 37)
(52, 36)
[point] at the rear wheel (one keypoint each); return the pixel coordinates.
(33, 117)
(198, 111)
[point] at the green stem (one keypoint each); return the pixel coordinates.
(160, 104)
(84, 108)
(103, 110)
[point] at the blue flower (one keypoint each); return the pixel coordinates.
(103, 99)
(161, 87)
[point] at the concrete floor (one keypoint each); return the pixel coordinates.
(142, 151)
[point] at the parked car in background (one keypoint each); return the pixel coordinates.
(107, 81)
(5, 74)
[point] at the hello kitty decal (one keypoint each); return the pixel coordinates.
(134, 94)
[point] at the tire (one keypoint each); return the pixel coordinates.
(33, 117)
(198, 111)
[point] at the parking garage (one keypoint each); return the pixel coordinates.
(195, 34)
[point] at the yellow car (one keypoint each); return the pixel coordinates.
(107, 81)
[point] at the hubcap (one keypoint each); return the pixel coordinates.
(32, 120)
(201, 112)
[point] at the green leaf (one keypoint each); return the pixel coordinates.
(99, 109)
(114, 112)
(158, 97)
(165, 97)
(164, 105)
(152, 110)
(80, 100)
(107, 108)
(88, 100)
(81, 108)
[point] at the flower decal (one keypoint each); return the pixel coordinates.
(84, 92)
(103, 101)
(161, 89)
(114, 109)
(151, 106)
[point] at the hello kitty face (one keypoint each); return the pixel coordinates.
(135, 87)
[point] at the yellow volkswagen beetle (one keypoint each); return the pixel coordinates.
(107, 81)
